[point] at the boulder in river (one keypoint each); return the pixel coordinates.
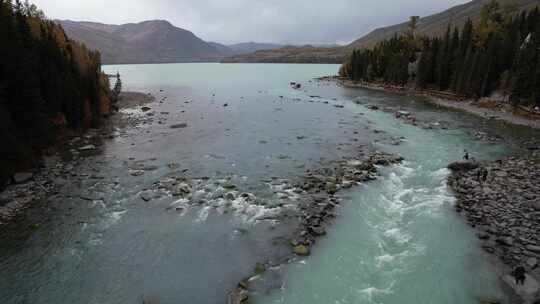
(463, 166)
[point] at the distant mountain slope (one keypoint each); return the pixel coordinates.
(436, 24)
(155, 41)
(292, 54)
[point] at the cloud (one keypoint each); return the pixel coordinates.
(231, 21)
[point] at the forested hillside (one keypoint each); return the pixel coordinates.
(499, 53)
(435, 25)
(48, 84)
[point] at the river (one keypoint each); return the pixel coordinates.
(243, 127)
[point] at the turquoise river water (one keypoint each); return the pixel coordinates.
(396, 240)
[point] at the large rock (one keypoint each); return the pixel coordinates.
(22, 177)
(463, 166)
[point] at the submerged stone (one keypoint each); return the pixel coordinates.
(260, 268)
(179, 126)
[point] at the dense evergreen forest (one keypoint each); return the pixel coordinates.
(48, 84)
(499, 53)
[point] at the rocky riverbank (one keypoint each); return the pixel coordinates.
(56, 167)
(485, 108)
(501, 200)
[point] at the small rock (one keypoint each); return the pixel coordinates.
(533, 248)
(184, 188)
(505, 241)
(403, 113)
(532, 262)
(317, 231)
(228, 186)
(137, 173)
(301, 250)
(331, 188)
(260, 268)
(179, 126)
(148, 196)
(22, 177)
(483, 236)
(238, 296)
(146, 109)
(87, 148)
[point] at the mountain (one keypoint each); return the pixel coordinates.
(292, 54)
(430, 26)
(436, 24)
(154, 41)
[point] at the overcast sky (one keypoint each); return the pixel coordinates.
(232, 21)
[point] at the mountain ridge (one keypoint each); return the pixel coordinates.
(436, 24)
(151, 41)
(430, 25)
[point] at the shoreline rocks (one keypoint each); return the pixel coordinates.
(499, 199)
(59, 165)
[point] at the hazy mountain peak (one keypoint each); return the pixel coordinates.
(152, 41)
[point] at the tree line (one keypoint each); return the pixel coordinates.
(499, 53)
(48, 83)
